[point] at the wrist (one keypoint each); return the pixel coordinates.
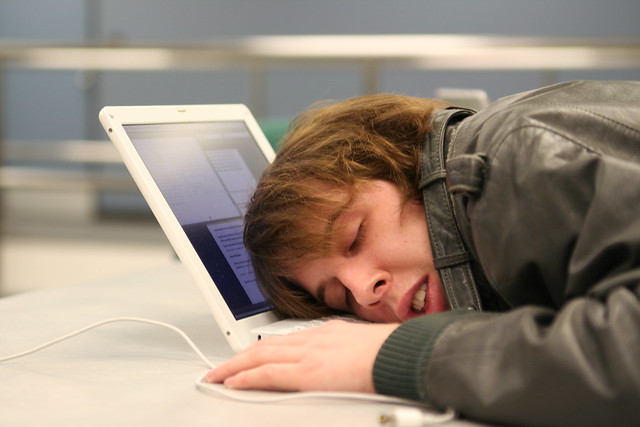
(400, 365)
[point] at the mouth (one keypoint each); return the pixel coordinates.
(424, 297)
(419, 302)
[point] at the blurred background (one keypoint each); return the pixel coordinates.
(69, 211)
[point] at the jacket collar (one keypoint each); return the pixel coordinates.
(450, 254)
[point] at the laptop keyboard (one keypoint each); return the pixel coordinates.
(287, 326)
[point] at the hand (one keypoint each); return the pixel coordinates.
(336, 356)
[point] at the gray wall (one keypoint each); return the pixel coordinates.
(54, 104)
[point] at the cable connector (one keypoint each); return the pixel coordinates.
(414, 417)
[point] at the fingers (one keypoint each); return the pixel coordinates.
(261, 355)
(275, 376)
(336, 356)
(266, 367)
(280, 349)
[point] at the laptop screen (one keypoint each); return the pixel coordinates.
(207, 173)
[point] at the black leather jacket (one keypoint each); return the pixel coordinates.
(533, 208)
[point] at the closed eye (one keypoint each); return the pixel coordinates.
(357, 240)
(335, 295)
(348, 299)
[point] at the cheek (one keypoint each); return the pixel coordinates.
(407, 234)
(303, 276)
(416, 228)
(310, 274)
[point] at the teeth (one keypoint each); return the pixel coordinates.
(417, 304)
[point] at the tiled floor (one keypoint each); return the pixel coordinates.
(54, 239)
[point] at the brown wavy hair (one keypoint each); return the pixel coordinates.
(332, 147)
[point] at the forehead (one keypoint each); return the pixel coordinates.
(301, 227)
(327, 204)
(309, 233)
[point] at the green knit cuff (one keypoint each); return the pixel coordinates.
(401, 362)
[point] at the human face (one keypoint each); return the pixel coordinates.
(382, 267)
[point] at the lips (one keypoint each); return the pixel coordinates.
(416, 301)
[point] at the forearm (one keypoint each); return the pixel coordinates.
(400, 364)
(578, 366)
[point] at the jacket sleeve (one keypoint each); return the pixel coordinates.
(557, 232)
(530, 366)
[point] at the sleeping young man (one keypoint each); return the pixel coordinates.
(497, 253)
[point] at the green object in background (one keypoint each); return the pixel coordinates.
(274, 130)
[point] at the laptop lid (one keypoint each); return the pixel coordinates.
(197, 166)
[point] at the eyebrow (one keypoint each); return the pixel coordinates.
(322, 287)
(331, 223)
(320, 293)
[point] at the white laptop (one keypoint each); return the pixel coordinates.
(197, 166)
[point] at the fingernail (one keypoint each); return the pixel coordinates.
(209, 377)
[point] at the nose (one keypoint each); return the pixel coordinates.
(367, 287)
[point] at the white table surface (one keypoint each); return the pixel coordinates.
(132, 374)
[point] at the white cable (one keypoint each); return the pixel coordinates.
(251, 396)
(415, 417)
(243, 396)
(408, 415)
(104, 322)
